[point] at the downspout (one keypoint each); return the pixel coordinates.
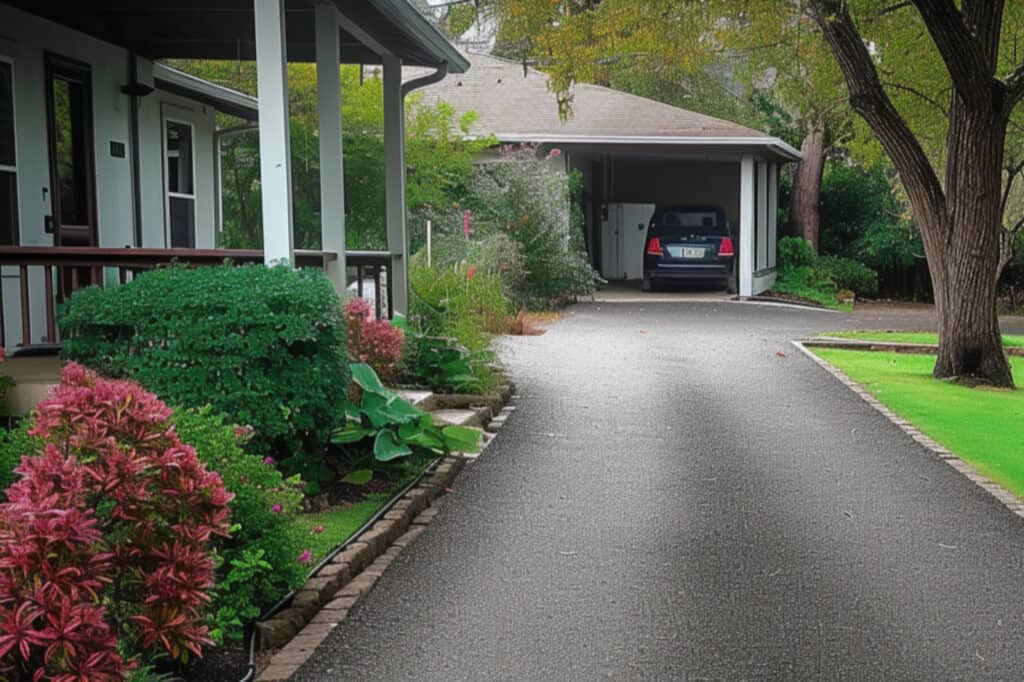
(441, 70)
(218, 190)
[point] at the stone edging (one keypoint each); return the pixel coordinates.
(324, 601)
(887, 346)
(1008, 499)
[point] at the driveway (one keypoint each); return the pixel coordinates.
(674, 500)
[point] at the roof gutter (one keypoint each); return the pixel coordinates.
(403, 14)
(777, 145)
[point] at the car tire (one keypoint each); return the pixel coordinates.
(646, 284)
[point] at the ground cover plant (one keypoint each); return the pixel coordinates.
(931, 338)
(265, 346)
(983, 426)
(824, 280)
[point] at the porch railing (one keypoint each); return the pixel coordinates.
(57, 271)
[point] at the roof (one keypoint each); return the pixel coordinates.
(222, 99)
(518, 107)
(225, 29)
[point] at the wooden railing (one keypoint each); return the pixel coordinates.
(60, 270)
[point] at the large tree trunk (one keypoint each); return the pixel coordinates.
(807, 185)
(960, 223)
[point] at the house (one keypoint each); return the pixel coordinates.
(108, 158)
(635, 152)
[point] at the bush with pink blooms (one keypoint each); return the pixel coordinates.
(377, 343)
(107, 539)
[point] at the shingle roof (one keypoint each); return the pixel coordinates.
(518, 108)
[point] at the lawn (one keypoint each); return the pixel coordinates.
(984, 427)
(1009, 340)
(337, 524)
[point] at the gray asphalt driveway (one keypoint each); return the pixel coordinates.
(674, 500)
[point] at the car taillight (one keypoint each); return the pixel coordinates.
(725, 248)
(654, 247)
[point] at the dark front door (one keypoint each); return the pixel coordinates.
(69, 126)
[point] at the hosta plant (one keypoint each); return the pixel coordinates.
(393, 427)
(441, 364)
(107, 538)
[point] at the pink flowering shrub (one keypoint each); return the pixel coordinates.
(375, 342)
(107, 536)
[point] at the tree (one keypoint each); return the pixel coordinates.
(960, 219)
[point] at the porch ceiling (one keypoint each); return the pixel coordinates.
(191, 29)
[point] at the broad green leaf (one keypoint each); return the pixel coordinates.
(367, 379)
(401, 411)
(387, 447)
(359, 477)
(353, 433)
(408, 431)
(462, 438)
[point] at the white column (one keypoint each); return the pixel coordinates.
(773, 212)
(332, 172)
(746, 245)
(275, 146)
(394, 183)
(761, 261)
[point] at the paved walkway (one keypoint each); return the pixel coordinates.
(673, 500)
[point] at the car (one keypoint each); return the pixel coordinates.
(688, 244)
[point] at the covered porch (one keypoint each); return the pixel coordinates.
(390, 33)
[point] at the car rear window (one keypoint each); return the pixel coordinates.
(690, 221)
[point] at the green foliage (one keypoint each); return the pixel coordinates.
(807, 283)
(265, 346)
(258, 564)
(461, 302)
(795, 252)
(851, 275)
(14, 444)
(443, 365)
(396, 428)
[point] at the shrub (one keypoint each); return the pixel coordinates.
(461, 302)
(263, 345)
(376, 342)
(14, 444)
(258, 563)
(847, 273)
(108, 533)
(443, 365)
(795, 252)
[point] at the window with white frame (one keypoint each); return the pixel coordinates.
(181, 192)
(8, 158)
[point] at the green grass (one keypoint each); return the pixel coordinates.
(984, 427)
(800, 283)
(338, 524)
(1009, 340)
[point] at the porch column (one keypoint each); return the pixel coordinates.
(746, 245)
(773, 212)
(332, 173)
(275, 146)
(394, 183)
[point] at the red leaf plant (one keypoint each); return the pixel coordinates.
(106, 538)
(376, 342)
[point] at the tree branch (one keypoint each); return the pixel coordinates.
(1014, 84)
(919, 94)
(869, 99)
(966, 53)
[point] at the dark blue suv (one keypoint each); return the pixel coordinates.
(688, 244)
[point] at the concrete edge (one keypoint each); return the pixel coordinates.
(887, 346)
(324, 601)
(1004, 496)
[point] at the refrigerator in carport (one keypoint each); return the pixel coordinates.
(623, 236)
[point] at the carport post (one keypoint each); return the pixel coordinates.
(394, 183)
(275, 146)
(332, 173)
(746, 245)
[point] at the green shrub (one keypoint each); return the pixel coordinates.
(795, 252)
(461, 301)
(265, 346)
(443, 365)
(14, 444)
(259, 562)
(847, 273)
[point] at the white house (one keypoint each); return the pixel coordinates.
(108, 158)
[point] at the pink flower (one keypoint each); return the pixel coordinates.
(306, 557)
(277, 508)
(317, 530)
(268, 460)
(554, 153)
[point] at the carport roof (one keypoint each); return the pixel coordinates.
(515, 105)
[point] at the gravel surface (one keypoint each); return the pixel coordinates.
(673, 499)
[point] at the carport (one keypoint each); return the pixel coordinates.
(634, 153)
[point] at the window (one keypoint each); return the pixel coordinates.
(181, 195)
(8, 160)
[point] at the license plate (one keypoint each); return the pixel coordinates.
(693, 253)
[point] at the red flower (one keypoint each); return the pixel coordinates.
(471, 272)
